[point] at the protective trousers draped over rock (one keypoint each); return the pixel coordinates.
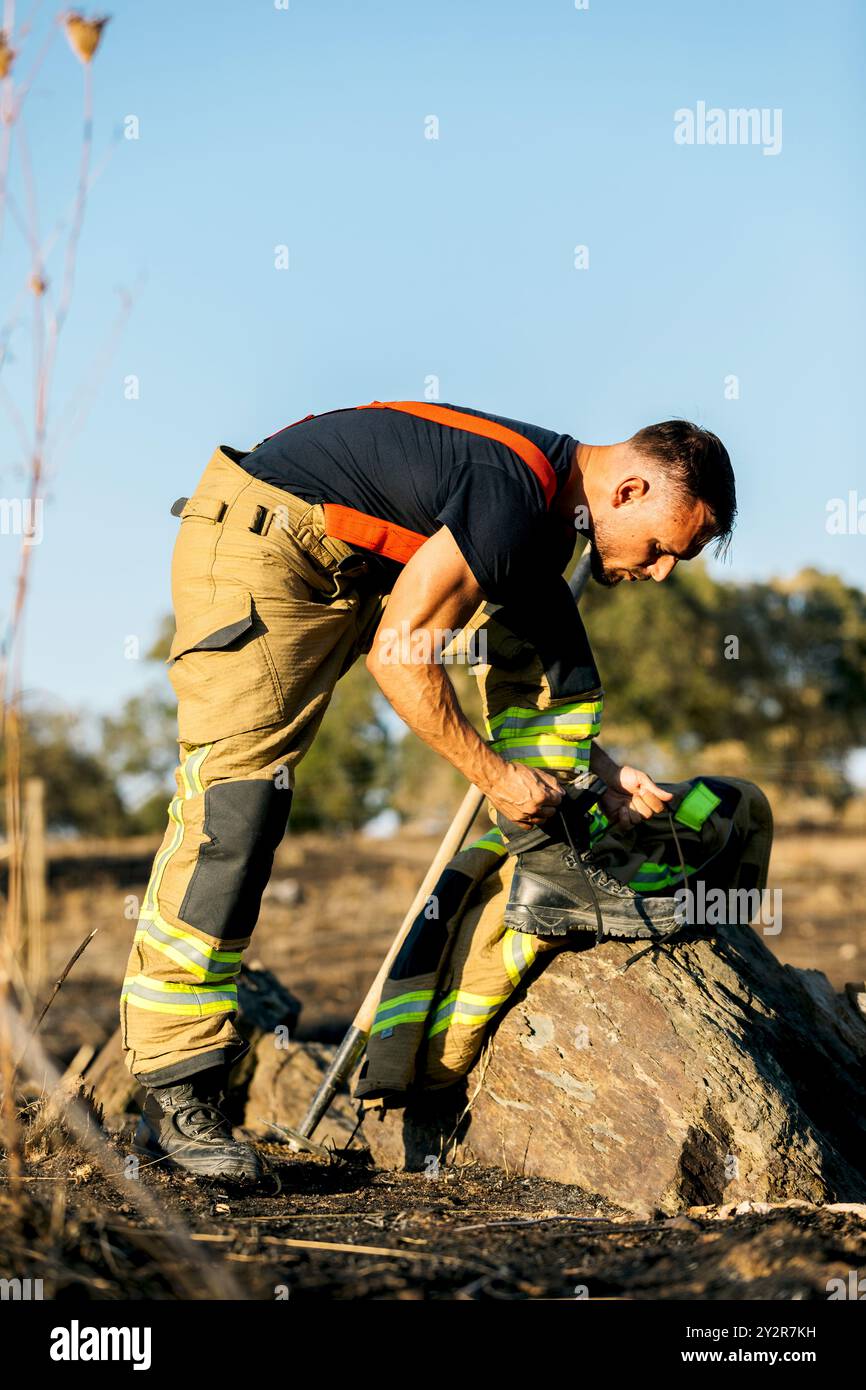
(460, 964)
(270, 611)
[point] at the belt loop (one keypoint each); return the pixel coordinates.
(204, 508)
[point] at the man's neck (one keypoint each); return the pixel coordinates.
(572, 497)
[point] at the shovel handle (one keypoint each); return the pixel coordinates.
(351, 1049)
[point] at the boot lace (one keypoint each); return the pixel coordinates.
(677, 928)
(600, 876)
(594, 875)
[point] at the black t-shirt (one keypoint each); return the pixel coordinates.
(423, 475)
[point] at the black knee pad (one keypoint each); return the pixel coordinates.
(244, 822)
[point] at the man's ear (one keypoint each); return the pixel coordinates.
(629, 490)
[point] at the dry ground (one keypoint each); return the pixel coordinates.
(472, 1234)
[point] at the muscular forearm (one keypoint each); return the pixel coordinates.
(425, 699)
(437, 593)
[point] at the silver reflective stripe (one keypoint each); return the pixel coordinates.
(518, 946)
(459, 1007)
(186, 948)
(577, 751)
(188, 994)
(412, 1006)
(543, 723)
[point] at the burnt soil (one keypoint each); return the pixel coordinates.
(467, 1234)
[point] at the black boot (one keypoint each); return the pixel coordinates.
(183, 1122)
(555, 891)
(558, 889)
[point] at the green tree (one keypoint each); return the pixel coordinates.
(140, 744)
(426, 786)
(779, 667)
(346, 776)
(80, 791)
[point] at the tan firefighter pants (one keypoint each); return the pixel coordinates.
(456, 970)
(270, 612)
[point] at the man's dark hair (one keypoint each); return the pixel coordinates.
(699, 467)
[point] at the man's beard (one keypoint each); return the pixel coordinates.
(600, 573)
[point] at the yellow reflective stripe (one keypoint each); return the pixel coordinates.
(404, 999)
(563, 760)
(542, 739)
(574, 733)
(193, 1010)
(194, 769)
(447, 1022)
(176, 986)
(163, 996)
(397, 1018)
(577, 733)
(160, 864)
(522, 719)
(462, 1006)
(469, 1020)
(467, 997)
(495, 846)
(183, 958)
(386, 1019)
(508, 957)
(177, 957)
(192, 785)
(517, 965)
(214, 952)
(654, 876)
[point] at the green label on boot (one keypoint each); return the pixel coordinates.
(695, 807)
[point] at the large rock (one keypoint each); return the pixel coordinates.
(704, 1073)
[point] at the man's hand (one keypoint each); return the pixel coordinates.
(524, 794)
(632, 796)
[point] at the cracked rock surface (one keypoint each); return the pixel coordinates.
(705, 1073)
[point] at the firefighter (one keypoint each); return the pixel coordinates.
(285, 557)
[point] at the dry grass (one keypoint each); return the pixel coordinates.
(324, 934)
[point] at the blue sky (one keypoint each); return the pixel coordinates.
(411, 257)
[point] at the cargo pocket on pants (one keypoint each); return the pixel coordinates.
(222, 672)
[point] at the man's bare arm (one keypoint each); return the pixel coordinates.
(435, 593)
(603, 765)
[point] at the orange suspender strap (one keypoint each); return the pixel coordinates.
(397, 542)
(475, 424)
(371, 532)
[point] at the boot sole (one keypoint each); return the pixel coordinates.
(543, 921)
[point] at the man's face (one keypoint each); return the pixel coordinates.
(640, 527)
